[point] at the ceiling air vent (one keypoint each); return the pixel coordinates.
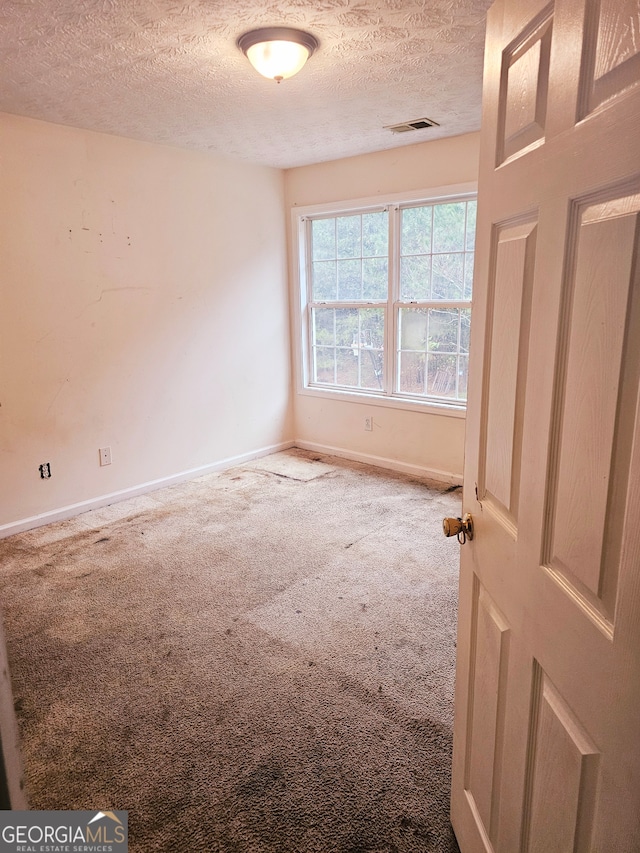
(416, 124)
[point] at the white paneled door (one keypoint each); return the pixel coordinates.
(547, 728)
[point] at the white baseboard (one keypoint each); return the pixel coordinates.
(72, 510)
(383, 462)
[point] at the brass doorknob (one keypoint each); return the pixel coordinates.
(460, 527)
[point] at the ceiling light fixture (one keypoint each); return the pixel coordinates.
(277, 52)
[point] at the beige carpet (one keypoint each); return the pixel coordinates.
(260, 660)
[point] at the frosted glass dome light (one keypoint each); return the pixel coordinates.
(277, 52)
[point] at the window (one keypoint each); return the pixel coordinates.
(387, 299)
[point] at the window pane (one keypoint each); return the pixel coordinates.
(347, 326)
(348, 346)
(472, 207)
(324, 326)
(350, 257)
(463, 376)
(416, 230)
(346, 368)
(349, 280)
(448, 227)
(443, 330)
(348, 232)
(375, 278)
(325, 284)
(371, 331)
(465, 329)
(442, 375)
(411, 372)
(413, 328)
(435, 340)
(448, 279)
(415, 278)
(468, 275)
(375, 234)
(371, 370)
(324, 363)
(323, 239)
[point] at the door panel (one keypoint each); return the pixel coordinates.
(507, 342)
(546, 746)
(490, 652)
(525, 78)
(591, 417)
(562, 778)
(612, 60)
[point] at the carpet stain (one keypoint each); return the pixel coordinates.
(261, 780)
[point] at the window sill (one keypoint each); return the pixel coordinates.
(446, 410)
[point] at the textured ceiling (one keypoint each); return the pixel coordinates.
(170, 72)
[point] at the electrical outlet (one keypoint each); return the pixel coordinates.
(105, 455)
(45, 470)
(368, 424)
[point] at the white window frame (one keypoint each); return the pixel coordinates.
(301, 278)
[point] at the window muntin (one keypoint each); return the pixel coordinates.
(389, 300)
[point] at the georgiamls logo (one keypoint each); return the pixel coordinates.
(63, 831)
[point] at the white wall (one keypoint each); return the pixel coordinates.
(408, 440)
(143, 305)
